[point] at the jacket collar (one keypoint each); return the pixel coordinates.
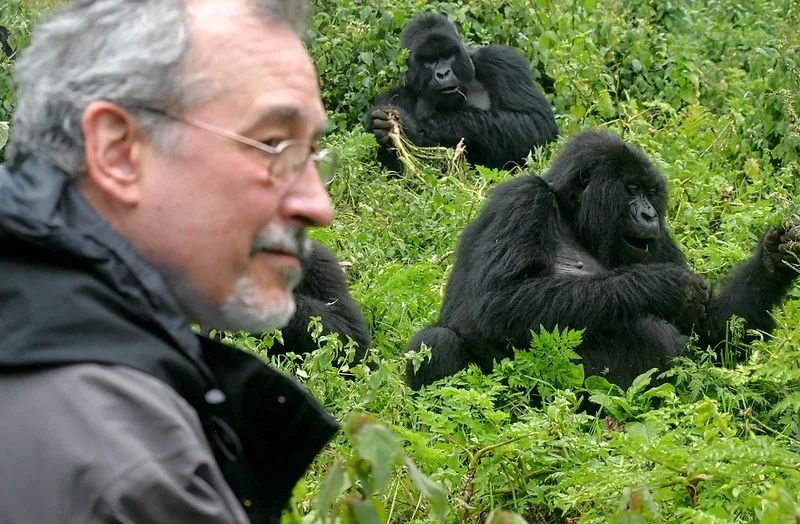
(42, 209)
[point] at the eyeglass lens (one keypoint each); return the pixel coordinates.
(294, 157)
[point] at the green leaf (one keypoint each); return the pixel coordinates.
(548, 39)
(432, 490)
(363, 512)
(332, 487)
(378, 445)
(3, 134)
(777, 505)
(640, 382)
(596, 383)
(499, 516)
(663, 391)
(366, 57)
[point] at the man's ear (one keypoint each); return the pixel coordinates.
(113, 148)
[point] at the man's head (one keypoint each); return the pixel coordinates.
(158, 108)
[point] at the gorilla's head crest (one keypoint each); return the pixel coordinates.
(424, 26)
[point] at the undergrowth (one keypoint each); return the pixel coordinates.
(709, 90)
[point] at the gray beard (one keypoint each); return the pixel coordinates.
(245, 309)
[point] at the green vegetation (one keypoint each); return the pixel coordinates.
(709, 90)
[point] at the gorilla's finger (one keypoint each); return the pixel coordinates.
(382, 124)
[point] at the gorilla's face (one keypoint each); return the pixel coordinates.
(625, 217)
(440, 70)
(639, 222)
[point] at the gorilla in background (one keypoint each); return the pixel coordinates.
(585, 246)
(4, 42)
(322, 292)
(487, 96)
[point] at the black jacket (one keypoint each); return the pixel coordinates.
(73, 291)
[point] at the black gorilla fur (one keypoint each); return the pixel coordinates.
(487, 96)
(4, 42)
(323, 292)
(585, 246)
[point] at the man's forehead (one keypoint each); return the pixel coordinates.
(212, 15)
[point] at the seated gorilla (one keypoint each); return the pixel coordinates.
(487, 96)
(322, 292)
(585, 246)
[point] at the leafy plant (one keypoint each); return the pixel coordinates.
(3, 134)
(709, 90)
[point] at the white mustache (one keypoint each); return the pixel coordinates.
(293, 242)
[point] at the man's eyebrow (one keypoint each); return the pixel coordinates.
(290, 115)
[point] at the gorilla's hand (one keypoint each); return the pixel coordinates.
(781, 247)
(383, 121)
(697, 297)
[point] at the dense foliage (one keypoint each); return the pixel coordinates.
(709, 89)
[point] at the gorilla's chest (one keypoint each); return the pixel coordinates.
(572, 259)
(478, 96)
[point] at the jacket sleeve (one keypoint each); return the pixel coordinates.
(179, 488)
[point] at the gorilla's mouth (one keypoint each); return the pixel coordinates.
(640, 244)
(449, 90)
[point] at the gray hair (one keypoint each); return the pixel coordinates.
(129, 52)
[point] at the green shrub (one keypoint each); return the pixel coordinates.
(709, 90)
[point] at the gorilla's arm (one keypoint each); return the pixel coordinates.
(507, 76)
(755, 287)
(323, 292)
(594, 302)
(405, 100)
(507, 283)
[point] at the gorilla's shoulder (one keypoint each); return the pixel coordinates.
(527, 188)
(525, 199)
(497, 51)
(496, 55)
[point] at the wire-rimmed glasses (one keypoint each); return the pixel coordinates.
(286, 160)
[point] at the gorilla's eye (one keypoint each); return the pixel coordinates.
(632, 189)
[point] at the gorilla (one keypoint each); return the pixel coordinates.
(585, 246)
(4, 42)
(487, 96)
(322, 292)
